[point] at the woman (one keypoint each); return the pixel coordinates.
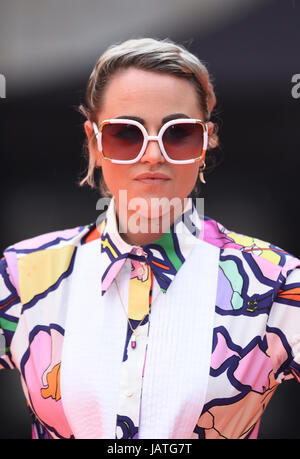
(154, 322)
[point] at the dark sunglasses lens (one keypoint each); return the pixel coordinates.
(183, 141)
(121, 141)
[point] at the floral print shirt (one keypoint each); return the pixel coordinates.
(255, 339)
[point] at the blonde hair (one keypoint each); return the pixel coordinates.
(147, 54)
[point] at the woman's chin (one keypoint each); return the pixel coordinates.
(156, 207)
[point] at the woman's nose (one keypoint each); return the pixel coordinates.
(153, 153)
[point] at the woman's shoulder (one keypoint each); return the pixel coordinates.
(52, 239)
(248, 247)
(75, 236)
(48, 247)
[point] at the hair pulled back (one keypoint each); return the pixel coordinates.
(150, 54)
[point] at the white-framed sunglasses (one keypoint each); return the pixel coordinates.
(124, 141)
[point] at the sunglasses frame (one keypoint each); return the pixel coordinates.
(147, 138)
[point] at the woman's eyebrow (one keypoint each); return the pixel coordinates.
(173, 116)
(130, 117)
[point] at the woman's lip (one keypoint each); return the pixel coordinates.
(152, 181)
(148, 178)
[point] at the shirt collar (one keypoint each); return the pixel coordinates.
(165, 255)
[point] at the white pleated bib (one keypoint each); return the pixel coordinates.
(178, 355)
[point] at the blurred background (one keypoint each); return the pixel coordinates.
(48, 48)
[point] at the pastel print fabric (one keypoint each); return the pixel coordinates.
(135, 351)
(256, 329)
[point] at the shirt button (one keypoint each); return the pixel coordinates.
(129, 394)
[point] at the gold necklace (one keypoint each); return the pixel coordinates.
(134, 330)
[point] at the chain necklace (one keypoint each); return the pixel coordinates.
(134, 330)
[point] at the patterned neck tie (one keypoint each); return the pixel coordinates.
(134, 358)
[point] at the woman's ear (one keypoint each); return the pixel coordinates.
(92, 142)
(212, 138)
(210, 128)
(88, 127)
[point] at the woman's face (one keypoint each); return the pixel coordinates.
(150, 97)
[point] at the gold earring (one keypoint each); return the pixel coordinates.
(201, 169)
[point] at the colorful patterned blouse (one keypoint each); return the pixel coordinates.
(217, 323)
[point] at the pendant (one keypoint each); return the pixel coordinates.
(133, 342)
